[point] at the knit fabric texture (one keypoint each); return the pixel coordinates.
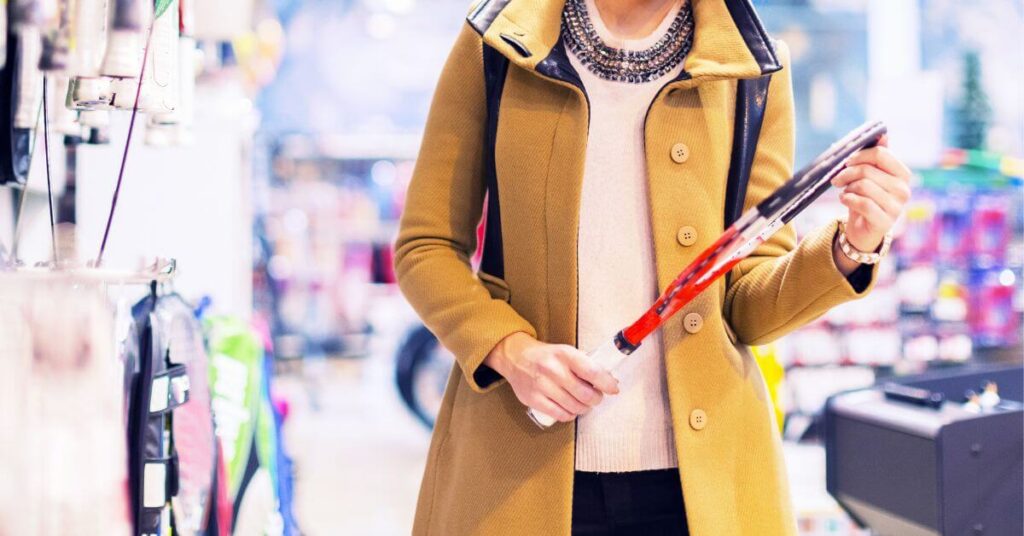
(631, 431)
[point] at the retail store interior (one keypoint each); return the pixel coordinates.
(218, 241)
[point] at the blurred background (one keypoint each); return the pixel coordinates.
(279, 197)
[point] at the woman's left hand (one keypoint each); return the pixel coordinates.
(876, 187)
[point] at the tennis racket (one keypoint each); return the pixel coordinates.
(752, 229)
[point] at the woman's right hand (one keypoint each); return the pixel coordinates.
(555, 379)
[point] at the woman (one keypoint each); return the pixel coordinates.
(612, 177)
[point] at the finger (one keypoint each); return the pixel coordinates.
(884, 140)
(883, 158)
(871, 190)
(551, 408)
(579, 389)
(549, 388)
(866, 208)
(583, 367)
(894, 185)
(582, 391)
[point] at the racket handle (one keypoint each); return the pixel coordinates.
(607, 356)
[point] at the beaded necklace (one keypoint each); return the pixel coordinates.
(619, 65)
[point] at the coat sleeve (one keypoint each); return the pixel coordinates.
(437, 234)
(782, 285)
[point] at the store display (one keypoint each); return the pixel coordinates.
(749, 231)
(235, 374)
(172, 126)
(11, 168)
(146, 451)
(140, 416)
(159, 76)
(324, 244)
(902, 466)
(126, 412)
(126, 37)
(192, 426)
(247, 429)
(60, 388)
(20, 86)
(87, 88)
(158, 388)
(950, 296)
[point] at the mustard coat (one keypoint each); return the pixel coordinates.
(490, 470)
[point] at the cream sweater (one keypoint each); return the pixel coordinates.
(631, 431)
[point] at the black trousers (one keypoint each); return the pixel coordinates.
(642, 503)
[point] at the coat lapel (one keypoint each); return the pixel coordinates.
(730, 41)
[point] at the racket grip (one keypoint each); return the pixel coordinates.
(607, 356)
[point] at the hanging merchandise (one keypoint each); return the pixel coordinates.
(990, 232)
(192, 426)
(174, 127)
(159, 92)
(993, 321)
(88, 89)
(55, 30)
(25, 13)
(20, 85)
(126, 36)
(222, 511)
(285, 469)
(248, 428)
(158, 387)
(259, 506)
(28, 79)
(63, 120)
(13, 168)
(60, 388)
(272, 454)
(235, 369)
(954, 229)
(124, 154)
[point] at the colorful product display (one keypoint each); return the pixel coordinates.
(949, 293)
(248, 429)
(325, 233)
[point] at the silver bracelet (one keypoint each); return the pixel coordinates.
(863, 257)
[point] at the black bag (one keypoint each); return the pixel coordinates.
(156, 388)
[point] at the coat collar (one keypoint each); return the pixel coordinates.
(729, 41)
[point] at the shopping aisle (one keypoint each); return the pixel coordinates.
(359, 454)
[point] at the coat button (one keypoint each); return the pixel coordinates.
(692, 323)
(698, 419)
(687, 235)
(680, 153)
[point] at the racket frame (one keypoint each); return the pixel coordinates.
(753, 228)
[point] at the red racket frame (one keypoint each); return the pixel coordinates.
(780, 207)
